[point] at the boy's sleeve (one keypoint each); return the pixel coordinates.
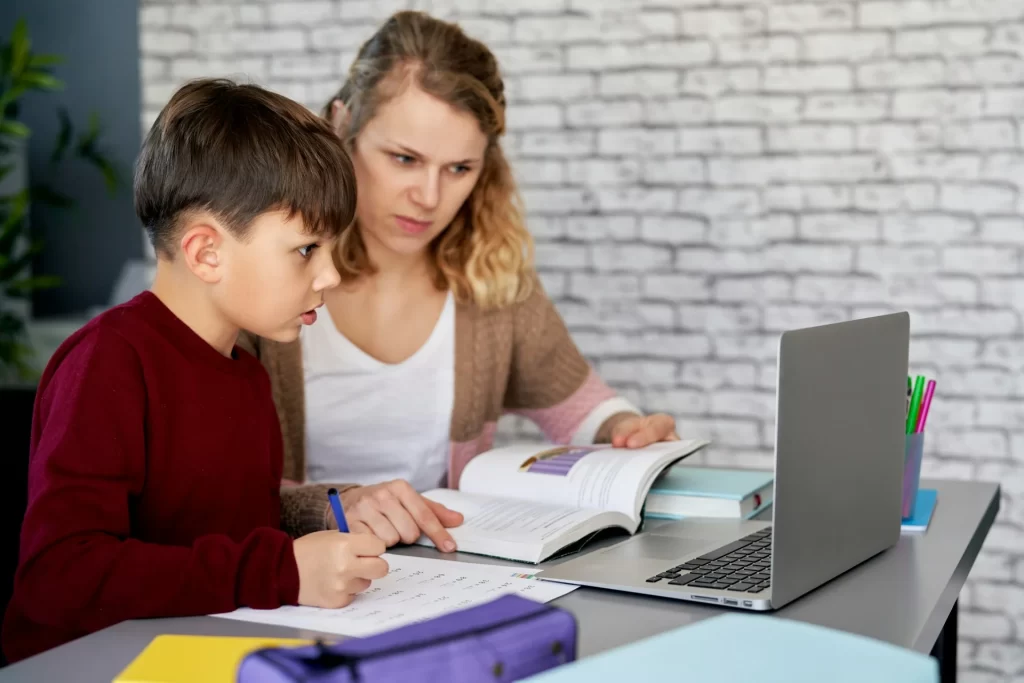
(79, 565)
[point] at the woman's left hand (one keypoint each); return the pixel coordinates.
(637, 431)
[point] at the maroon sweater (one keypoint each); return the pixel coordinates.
(153, 486)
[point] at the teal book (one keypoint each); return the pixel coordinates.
(748, 648)
(692, 491)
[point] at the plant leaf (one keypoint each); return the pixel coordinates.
(5, 60)
(27, 285)
(7, 99)
(15, 355)
(17, 265)
(21, 47)
(14, 128)
(87, 141)
(47, 195)
(10, 325)
(14, 220)
(94, 125)
(110, 175)
(44, 60)
(88, 150)
(40, 80)
(14, 352)
(63, 136)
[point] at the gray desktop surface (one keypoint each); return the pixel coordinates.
(902, 596)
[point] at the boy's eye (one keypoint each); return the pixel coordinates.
(307, 250)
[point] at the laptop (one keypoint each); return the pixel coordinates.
(839, 449)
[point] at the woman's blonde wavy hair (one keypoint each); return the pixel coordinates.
(486, 254)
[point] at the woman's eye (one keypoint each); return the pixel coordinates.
(403, 159)
(459, 169)
(307, 250)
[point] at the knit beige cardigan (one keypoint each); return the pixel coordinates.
(517, 359)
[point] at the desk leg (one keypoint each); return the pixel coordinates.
(945, 647)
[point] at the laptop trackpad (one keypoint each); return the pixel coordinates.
(653, 546)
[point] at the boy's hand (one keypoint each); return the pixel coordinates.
(334, 568)
(637, 431)
(394, 511)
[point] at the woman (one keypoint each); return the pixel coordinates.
(440, 325)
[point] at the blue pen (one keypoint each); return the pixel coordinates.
(339, 514)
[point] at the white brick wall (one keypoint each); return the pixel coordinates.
(702, 174)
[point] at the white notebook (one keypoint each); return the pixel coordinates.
(415, 589)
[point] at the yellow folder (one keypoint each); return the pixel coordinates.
(196, 659)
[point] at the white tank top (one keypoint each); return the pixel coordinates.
(368, 421)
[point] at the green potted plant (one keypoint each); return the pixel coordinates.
(22, 71)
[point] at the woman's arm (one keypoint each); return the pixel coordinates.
(305, 507)
(552, 384)
(393, 511)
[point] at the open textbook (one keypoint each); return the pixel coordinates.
(528, 502)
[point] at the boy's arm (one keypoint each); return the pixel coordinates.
(78, 563)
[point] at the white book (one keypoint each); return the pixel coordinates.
(528, 502)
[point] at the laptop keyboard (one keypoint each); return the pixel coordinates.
(743, 566)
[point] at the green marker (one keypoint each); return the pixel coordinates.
(915, 404)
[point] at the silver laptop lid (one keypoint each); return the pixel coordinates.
(839, 444)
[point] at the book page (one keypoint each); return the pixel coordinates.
(415, 589)
(596, 477)
(518, 529)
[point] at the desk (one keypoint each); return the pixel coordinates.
(906, 596)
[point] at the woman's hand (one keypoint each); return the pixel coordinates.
(393, 511)
(636, 431)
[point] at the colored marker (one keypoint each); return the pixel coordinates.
(926, 403)
(915, 404)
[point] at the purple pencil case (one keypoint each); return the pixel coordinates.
(507, 639)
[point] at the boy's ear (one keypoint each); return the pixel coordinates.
(201, 247)
(339, 118)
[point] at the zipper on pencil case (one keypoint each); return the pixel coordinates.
(351, 660)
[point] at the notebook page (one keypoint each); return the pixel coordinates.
(415, 589)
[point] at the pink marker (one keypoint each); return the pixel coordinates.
(926, 403)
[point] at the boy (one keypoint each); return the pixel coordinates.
(156, 458)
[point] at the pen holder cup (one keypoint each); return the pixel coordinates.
(913, 453)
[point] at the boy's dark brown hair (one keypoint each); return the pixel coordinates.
(237, 151)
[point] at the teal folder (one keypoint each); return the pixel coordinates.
(750, 648)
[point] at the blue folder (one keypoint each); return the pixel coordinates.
(921, 515)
